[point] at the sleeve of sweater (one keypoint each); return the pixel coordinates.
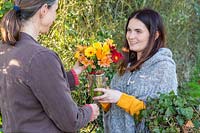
(105, 106)
(48, 84)
(73, 79)
(130, 104)
(127, 102)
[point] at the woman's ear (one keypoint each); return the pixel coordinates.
(157, 35)
(43, 10)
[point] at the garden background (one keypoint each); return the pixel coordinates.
(85, 21)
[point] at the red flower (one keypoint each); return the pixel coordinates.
(116, 56)
(112, 47)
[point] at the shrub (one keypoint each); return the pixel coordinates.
(193, 86)
(173, 113)
(80, 21)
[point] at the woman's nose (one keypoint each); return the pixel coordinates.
(131, 35)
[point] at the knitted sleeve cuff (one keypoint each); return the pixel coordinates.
(124, 101)
(75, 77)
(105, 106)
(130, 104)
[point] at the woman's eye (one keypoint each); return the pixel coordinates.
(128, 29)
(138, 31)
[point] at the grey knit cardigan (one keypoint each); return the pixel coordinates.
(157, 74)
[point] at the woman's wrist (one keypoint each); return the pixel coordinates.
(92, 114)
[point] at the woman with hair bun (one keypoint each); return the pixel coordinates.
(35, 90)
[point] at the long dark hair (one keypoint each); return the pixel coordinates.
(154, 24)
(13, 19)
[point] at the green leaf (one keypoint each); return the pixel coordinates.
(179, 102)
(156, 130)
(169, 111)
(196, 123)
(156, 122)
(187, 112)
(180, 120)
(89, 68)
(0, 120)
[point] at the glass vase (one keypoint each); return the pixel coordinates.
(97, 81)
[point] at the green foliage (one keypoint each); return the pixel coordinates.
(0, 120)
(171, 112)
(84, 21)
(4, 7)
(193, 86)
(75, 25)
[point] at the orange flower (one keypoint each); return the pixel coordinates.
(125, 50)
(105, 62)
(100, 55)
(83, 60)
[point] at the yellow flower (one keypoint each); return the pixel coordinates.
(109, 41)
(97, 45)
(90, 51)
(80, 48)
(77, 54)
(106, 49)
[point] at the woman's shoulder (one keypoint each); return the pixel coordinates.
(31, 46)
(32, 50)
(163, 56)
(166, 52)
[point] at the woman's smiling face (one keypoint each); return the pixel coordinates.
(137, 36)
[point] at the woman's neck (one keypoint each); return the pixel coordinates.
(139, 54)
(31, 29)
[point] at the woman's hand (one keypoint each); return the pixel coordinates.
(109, 96)
(78, 68)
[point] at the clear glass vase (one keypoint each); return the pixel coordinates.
(100, 83)
(97, 81)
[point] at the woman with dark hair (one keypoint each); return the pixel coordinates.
(35, 90)
(147, 70)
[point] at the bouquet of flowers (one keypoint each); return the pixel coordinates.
(96, 57)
